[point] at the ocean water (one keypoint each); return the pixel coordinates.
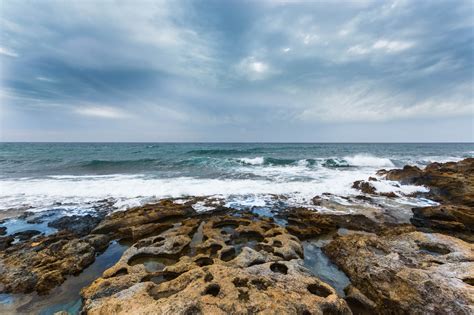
(78, 176)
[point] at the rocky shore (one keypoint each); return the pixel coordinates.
(176, 260)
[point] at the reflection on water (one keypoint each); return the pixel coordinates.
(320, 265)
(65, 297)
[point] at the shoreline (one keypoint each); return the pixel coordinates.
(441, 234)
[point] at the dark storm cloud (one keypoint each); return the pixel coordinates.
(236, 70)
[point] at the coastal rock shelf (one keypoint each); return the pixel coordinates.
(171, 258)
(218, 265)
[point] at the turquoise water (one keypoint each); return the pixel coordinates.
(40, 175)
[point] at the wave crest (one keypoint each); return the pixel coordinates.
(368, 160)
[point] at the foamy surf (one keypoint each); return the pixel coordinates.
(127, 191)
(241, 175)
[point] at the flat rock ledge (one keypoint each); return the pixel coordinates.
(224, 264)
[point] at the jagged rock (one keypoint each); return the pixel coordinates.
(364, 187)
(80, 225)
(134, 222)
(457, 219)
(306, 223)
(451, 182)
(405, 175)
(411, 273)
(43, 263)
(216, 264)
(26, 235)
(6, 241)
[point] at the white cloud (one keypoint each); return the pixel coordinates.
(101, 112)
(381, 45)
(370, 102)
(45, 79)
(6, 52)
(391, 46)
(254, 69)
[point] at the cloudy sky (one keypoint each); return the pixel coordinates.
(237, 71)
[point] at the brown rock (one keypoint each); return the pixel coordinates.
(43, 264)
(459, 220)
(364, 187)
(412, 273)
(137, 222)
(216, 264)
(306, 223)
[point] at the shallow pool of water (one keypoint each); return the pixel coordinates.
(320, 265)
(66, 297)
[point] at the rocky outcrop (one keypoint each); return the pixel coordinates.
(138, 222)
(77, 224)
(213, 264)
(408, 273)
(305, 223)
(451, 184)
(455, 219)
(40, 263)
(364, 186)
(43, 263)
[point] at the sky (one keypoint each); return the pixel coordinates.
(257, 71)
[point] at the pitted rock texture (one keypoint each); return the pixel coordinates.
(44, 262)
(216, 264)
(141, 221)
(411, 273)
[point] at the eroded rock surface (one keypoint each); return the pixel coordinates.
(44, 262)
(216, 264)
(450, 183)
(408, 273)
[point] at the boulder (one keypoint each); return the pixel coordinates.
(408, 273)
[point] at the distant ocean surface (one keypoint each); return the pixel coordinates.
(75, 176)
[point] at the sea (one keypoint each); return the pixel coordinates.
(77, 176)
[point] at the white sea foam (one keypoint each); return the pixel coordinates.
(366, 160)
(134, 190)
(252, 161)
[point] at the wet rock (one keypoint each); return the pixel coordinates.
(216, 264)
(364, 187)
(306, 223)
(6, 241)
(451, 182)
(79, 225)
(124, 224)
(43, 263)
(408, 273)
(316, 200)
(405, 175)
(3, 230)
(457, 219)
(358, 302)
(26, 235)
